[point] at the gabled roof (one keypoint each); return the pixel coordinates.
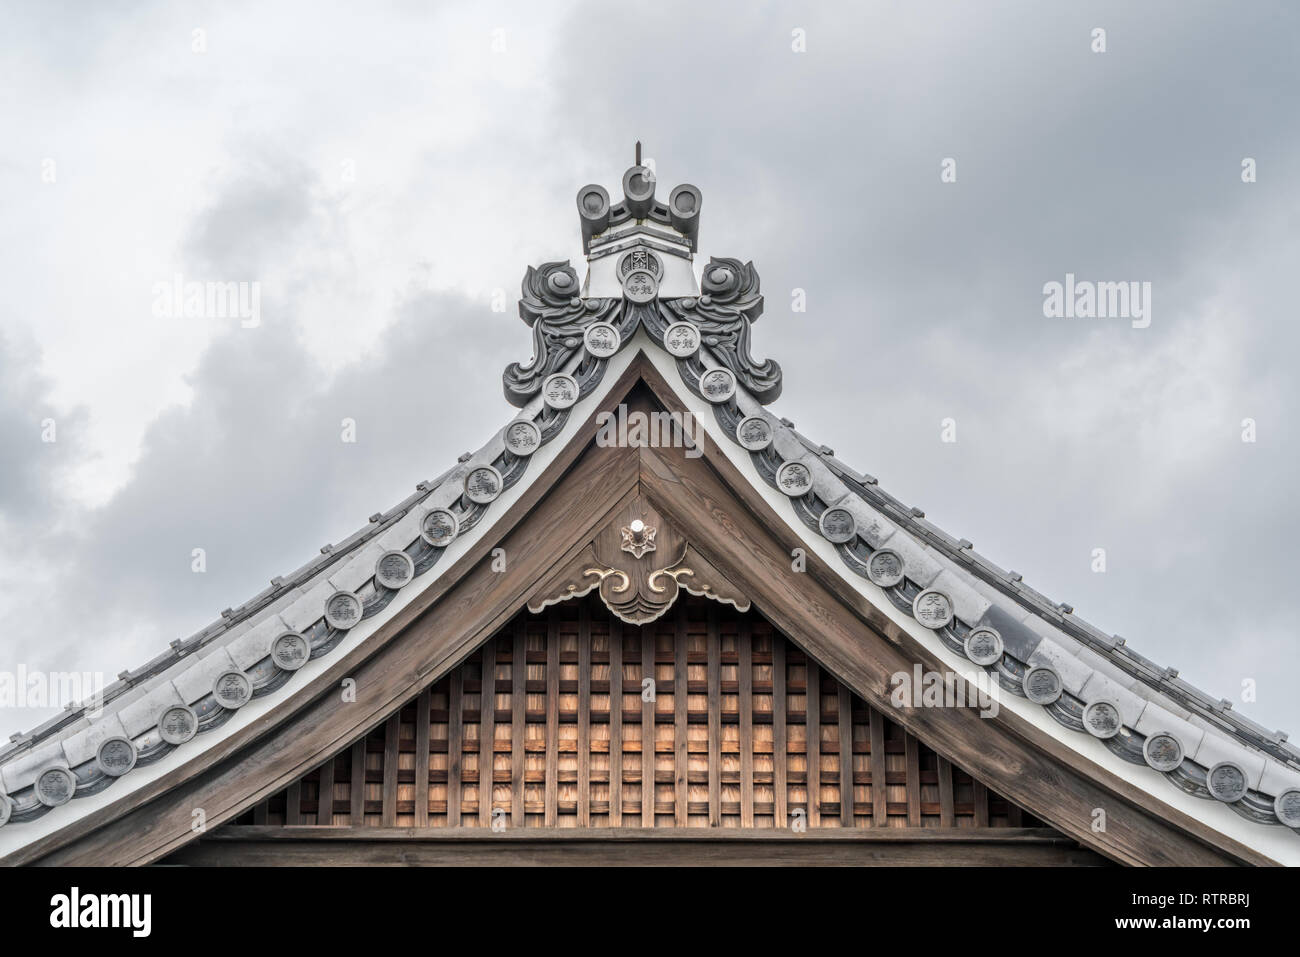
(1093, 692)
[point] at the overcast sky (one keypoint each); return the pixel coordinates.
(382, 169)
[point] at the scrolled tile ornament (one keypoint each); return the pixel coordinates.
(1101, 719)
(984, 646)
(560, 391)
(115, 756)
(439, 527)
(794, 479)
(394, 569)
(1226, 782)
(522, 438)
(729, 302)
(1042, 685)
(232, 689)
(483, 484)
(838, 525)
(54, 786)
(343, 610)
(718, 385)
(178, 724)
(290, 651)
(6, 809)
(754, 433)
(550, 304)
(1162, 751)
(1287, 807)
(602, 339)
(885, 567)
(933, 609)
(682, 339)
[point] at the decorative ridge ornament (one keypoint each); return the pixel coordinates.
(730, 302)
(639, 254)
(624, 561)
(550, 304)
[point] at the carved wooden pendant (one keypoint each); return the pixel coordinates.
(640, 564)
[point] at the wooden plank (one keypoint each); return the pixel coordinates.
(715, 719)
(293, 804)
(325, 799)
(780, 778)
(680, 718)
(615, 722)
(813, 747)
(584, 716)
(422, 706)
(392, 737)
(846, 753)
(647, 729)
(487, 731)
(357, 789)
(912, 755)
(981, 805)
(946, 816)
(455, 745)
(518, 719)
(263, 846)
(745, 691)
(552, 786)
(879, 807)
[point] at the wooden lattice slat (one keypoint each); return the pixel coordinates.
(744, 711)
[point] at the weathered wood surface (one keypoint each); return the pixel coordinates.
(632, 846)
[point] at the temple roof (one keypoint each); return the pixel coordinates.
(641, 262)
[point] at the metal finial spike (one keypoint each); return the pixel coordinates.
(638, 152)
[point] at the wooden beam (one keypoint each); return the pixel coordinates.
(518, 718)
(455, 747)
(357, 787)
(946, 816)
(392, 735)
(780, 747)
(813, 746)
(912, 757)
(647, 729)
(680, 680)
(845, 732)
(634, 846)
(487, 732)
(715, 719)
(879, 797)
(745, 692)
(422, 705)
(584, 716)
(552, 787)
(325, 794)
(615, 722)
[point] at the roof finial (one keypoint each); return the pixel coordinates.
(638, 153)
